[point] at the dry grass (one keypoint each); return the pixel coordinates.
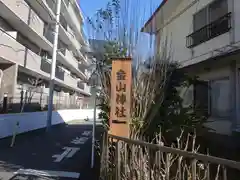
(123, 161)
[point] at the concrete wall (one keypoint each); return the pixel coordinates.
(9, 80)
(37, 120)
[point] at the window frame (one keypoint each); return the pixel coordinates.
(210, 81)
(207, 14)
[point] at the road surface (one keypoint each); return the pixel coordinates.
(62, 153)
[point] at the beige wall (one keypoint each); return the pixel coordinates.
(180, 24)
(9, 79)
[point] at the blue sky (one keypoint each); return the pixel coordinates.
(89, 8)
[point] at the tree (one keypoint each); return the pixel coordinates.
(29, 91)
(156, 102)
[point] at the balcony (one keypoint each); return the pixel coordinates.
(13, 51)
(51, 4)
(36, 23)
(46, 67)
(48, 34)
(70, 81)
(22, 10)
(210, 31)
(80, 85)
(71, 59)
(87, 89)
(81, 67)
(10, 49)
(74, 17)
(59, 73)
(73, 38)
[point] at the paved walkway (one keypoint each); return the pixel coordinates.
(63, 153)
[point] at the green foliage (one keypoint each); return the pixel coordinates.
(104, 107)
(113, 50)
(104, 22)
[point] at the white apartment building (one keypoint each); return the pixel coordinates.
(204, 37)
(26, 43)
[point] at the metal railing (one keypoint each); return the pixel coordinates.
(37, 101)
(214, 29)
(123, 158)
(80, 85)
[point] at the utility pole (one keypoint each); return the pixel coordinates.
(53, 65)
(94, 127)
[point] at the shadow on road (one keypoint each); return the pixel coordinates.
(34, 150)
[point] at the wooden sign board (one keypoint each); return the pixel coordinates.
(120, 103)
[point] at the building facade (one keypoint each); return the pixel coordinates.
(204, 37)
(26, 36)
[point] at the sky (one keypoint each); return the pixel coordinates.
(89, 8)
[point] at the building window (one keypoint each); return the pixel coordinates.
(200, 19)
(217, 9)
(220, 97)
(209, 22)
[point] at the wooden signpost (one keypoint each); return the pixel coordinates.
(121, 82)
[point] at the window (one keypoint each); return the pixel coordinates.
(217, 9)
(220, 97)
(200, 19)
(211, 21)
(209, 14)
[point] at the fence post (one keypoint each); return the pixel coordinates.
(104, 155)
(167, 166)
(224, 173)
(194, 169)
(179, 167)
(118, 160)
(5, 103)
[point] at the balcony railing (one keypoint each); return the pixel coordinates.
(212, 30)
(46, 67)
(63, 22)
(80, 85)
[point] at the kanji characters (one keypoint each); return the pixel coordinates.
(121, 87)
(121, 98)
(121, 75)
(120, 111)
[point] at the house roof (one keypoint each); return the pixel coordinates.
(153, 15)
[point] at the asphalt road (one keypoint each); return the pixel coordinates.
(62, 153)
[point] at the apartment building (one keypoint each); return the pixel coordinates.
(204, 37)
(26, 36)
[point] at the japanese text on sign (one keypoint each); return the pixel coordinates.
(120, 110)
(120, 96)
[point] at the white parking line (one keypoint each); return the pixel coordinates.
(59, 157)
(47, 173)
(72, 152)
